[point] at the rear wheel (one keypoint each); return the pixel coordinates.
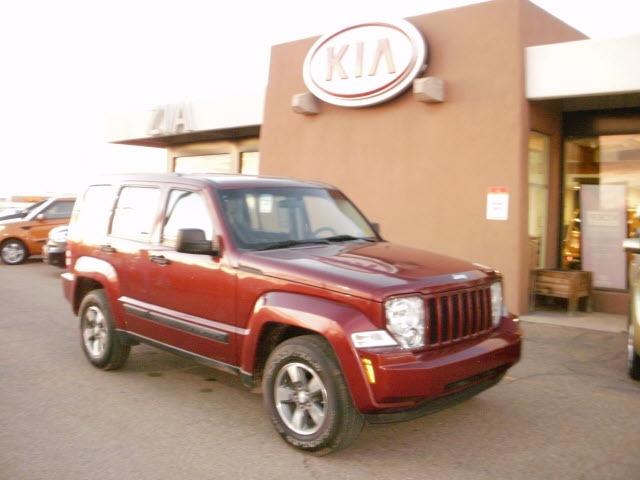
(13, 251)
(306, 396)
(100, 343)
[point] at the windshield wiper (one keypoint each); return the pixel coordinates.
(319, 241)
(346, 238)
(291, 243)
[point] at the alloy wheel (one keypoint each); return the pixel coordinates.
(12, 253)
(300, 398)
(95, 333)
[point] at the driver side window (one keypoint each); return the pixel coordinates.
(58, 210)
(185, 209)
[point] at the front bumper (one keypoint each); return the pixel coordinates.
(428, 407)
(68, 286)
(404, 380)
(53, 254)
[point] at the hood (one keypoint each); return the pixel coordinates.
(372, 270)
(59, 234)
(12, 216)
(20, 222)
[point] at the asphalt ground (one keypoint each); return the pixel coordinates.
(566, 411)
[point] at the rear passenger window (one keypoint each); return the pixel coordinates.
(94, 211)
(135, 213)
(185, 210)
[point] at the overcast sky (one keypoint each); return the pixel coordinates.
(67, 64)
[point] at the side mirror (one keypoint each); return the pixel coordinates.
(193, 240)
(40, 217)
(631, 245)
(376, 227)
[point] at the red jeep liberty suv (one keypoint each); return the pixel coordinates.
(286, 284)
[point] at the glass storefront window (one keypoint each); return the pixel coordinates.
(250, 163)
(214, 163)
(601, 205)
(538, 198)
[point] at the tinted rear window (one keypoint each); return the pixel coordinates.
(95, 210)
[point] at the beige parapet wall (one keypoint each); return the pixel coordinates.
(583, 68)
(222, 111)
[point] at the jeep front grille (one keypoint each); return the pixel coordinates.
(455, 316)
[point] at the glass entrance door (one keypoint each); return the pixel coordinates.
(601, 205)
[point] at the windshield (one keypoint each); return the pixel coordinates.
(264, 218)
(31, 208)
(19, 212)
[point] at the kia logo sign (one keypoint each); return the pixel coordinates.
(365, 64)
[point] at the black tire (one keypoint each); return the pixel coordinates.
(13, 251)
(633, 357)
(312, 355)
(97, 328)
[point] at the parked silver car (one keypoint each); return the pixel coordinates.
(53, 252)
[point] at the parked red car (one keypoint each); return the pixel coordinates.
(286, 284)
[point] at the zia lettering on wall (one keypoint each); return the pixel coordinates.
(170, 120)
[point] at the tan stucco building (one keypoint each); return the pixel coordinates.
(531, 108)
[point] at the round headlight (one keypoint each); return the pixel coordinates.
(405, 320)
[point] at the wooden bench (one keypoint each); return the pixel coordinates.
(570, 284)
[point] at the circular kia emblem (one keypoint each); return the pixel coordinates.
(365, 64)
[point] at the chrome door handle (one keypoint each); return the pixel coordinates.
(159, 259)
(107, 249)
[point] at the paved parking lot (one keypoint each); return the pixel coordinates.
(567, 411)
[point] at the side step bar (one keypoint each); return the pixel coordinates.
(134, 338)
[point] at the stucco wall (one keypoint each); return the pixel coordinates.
(423, 170)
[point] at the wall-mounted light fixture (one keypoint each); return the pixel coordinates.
(428, 89)
(305, 103)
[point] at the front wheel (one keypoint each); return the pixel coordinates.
(13, 252)
(100, 343)
(306, 396)
(633, 357)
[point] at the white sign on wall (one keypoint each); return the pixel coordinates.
(498, 203)
(365, 64)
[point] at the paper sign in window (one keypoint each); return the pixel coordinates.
(265, 203)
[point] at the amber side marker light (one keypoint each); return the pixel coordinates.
(368, 370)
